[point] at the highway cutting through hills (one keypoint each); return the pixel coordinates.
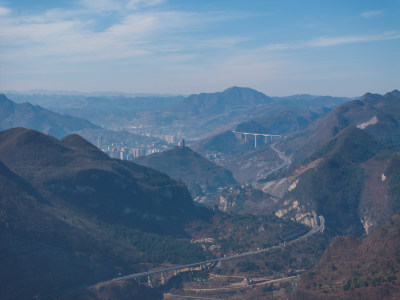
(314, 230)
(286, 163)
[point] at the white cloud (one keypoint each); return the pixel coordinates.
(372, 13)
(333, 41)
(101, 5)
(54, 35)
(135, 4)
(4, 11)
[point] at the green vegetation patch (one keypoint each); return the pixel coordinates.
(159, 249)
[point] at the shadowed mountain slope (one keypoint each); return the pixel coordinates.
(199, 174)
(70, 216)
(74, 171)
(336, 182)
(376, 114)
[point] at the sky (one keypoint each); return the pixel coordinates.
(279, 47)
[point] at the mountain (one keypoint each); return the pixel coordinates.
(198, 173)
(71, 217)
(75, 172)
(225, 143)
(110, 111)
(378, 115)
(234, 98)
(38, 244)
(355, 268)
(241, 199)
(350, 182)
(206, 114)
(304, 102)
(238, 155)
(282, 122)
(38, 118)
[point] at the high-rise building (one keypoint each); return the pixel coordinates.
(99, 141)
(181, 143)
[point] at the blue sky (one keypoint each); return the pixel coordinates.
(341, 48)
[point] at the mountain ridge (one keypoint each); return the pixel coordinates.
(200, 175)
(38, 118)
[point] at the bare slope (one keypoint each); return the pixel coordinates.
(378, 115)
(354, 268)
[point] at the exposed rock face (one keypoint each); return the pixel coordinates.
(348, 181)
(376, 114)
(353, 268)
(373, 121)
(241, 200)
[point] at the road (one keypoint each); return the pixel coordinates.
(314, 230)
(227, 288)
(286, 163)
(320, 228)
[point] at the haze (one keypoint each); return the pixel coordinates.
(339, 48)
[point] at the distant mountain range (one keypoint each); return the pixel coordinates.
(111, 111)
(199, 174)
(71, 217)
(38, 118)
(195, 116)
(282, 123)
(230, 100)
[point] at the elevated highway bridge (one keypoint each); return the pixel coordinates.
(259, 138)
(173, 271)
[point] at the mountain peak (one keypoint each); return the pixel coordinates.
(395, 93)
(3, 98)
(6, 105)
(81, 145)
(236, 90)
(200, 175)
(75, 140)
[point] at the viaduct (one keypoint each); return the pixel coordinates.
(258, 137)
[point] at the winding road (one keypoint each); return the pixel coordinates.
(286, 163)
(314, 230)
(320, 226)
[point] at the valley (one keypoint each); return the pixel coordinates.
(230, 150)
(247, 206)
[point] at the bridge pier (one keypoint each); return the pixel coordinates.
(150, 281)
(163, 278)
(268, 138)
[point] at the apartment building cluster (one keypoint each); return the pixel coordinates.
(124, 152)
